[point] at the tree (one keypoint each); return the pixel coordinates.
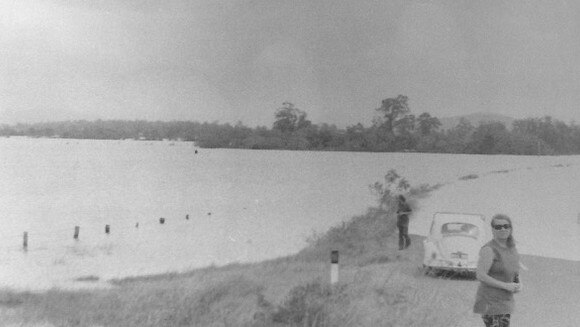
(356, 139)
(290, 119)
(392, 110)
(528, 126)
(427, 124)
(551, 135)
(459, 136)
(490, 138)
(405, 125)
(321, 137)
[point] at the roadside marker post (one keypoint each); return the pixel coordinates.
(334, 267)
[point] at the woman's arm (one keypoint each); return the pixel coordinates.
(483, 265)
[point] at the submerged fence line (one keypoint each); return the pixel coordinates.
(91, 252)
(53, 236)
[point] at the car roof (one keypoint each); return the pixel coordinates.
(441, 218)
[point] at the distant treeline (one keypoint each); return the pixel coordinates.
(395, 129)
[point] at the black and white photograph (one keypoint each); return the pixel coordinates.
(299, 163)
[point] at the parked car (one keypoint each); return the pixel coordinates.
(454, 242)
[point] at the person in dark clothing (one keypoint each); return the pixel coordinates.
(403, 212)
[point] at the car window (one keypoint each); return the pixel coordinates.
(464, 229)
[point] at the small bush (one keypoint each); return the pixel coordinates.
(309, 305)
(386, 192)
(467, 177)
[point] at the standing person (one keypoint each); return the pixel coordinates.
(403, 212)
(498, 273)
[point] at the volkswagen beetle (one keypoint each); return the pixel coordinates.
(454, 242)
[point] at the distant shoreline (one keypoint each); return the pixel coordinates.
(529, 136)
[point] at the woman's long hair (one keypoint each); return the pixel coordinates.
(510, 240)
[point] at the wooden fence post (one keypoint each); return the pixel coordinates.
(107, 229)
(25, 241)
(77, 230)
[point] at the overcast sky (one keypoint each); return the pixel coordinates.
(230, 60)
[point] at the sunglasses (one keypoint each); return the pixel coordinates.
(500, 227)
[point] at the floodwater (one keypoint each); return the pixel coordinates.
(222, 205)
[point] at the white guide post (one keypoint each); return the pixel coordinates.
(334, 267)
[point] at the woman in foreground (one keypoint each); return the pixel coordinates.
(498, 272)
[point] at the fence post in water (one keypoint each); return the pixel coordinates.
(334, 267)
(162, 221)
(77, 229)
(107, 229)
(25, 241)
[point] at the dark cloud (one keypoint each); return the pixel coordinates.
(239, 60)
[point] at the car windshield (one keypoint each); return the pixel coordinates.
(464, 229)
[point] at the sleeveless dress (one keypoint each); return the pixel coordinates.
(490, 300)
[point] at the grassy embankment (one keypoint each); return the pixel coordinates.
(378, 287)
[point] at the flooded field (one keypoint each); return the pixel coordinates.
(223, 206)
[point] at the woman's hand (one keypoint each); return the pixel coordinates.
(512, 287)
(519, 287)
